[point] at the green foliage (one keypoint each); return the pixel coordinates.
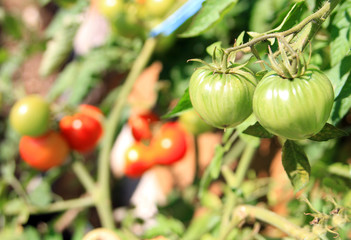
(340, 33)
(296, 165)
(183, 104)
(258, 131)
(210, 14)
(328, 132)
(59, 47)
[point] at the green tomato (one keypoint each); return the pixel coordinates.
(193, 123)
(223, 100)
(158, 8)
(127, 23)
(110, 8)
(294, 108)
(30, 116)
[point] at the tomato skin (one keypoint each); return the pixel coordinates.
(193, 123)
(222, 100)
(91, 111)
(140, 125)
(44, 152)
(109, 8)
(30, 116)
(81, 131)
(294, 109)
(158, 8)
(170, 144)
(139, 159)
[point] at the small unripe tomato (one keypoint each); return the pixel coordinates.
(109, 8)
(139, 159)
(140, 125)
(296, 108)
(44, 152)
(193, 123)
(170, 144)
(223, 100)
(81, 131)
(101, 234)
(158, 8)
(30, 116)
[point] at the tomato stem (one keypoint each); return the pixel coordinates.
(231, 201)
(104, 202)
(318, 18)
(84, 176)
(244, 211)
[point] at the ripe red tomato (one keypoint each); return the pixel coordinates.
(81, 131)
(44, 152)
(140, 125)
(170, 145)
(139, 158)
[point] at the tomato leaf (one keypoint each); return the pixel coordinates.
(59, 47)
(290, 17)
(258, 131)
(211, 12)
(328, 132)
(216, 45)
(340, 77)
(296, 165)
(64, 80)
(340, 30)
(183, 104)
(41, 195)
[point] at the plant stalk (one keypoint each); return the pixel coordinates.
(104, 201)
(267, 216)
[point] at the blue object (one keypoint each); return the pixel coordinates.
(174, 21)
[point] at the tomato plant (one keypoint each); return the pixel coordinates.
(140, 125)
(139, 159)
(81, 131)
(44, 152)
(170, 144)
(30, 116)
(294, 108)
(223, 100)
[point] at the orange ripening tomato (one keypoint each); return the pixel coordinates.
(170, 145)
(139, 159)
(44, 152)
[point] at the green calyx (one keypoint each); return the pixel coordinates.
(287, 62)
(220, 62)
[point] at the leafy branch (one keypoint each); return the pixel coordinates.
(318, 18)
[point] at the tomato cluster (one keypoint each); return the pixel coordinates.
(293, 108)
(167, 146)
(41, 146)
